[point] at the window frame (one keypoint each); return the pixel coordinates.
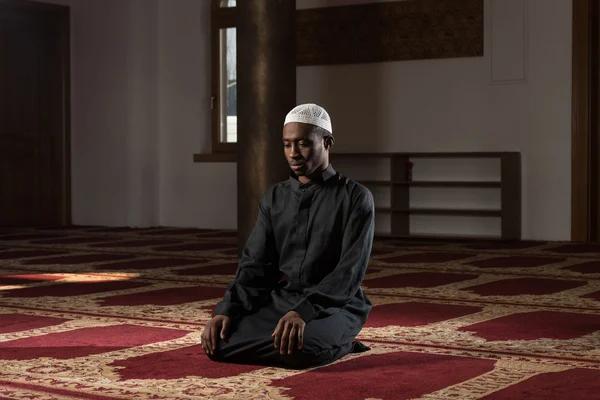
(221, 18)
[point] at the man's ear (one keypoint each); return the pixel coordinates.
(328, 141)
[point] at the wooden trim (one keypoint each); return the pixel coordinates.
(221, 18)
(581, 120)
(214, 85)
(594, 165)
(231, 157)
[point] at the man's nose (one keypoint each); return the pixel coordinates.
(294, 151)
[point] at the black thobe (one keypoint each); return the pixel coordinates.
(318, 236)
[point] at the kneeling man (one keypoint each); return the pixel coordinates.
(296, 300)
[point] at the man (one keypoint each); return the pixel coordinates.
(296, 299)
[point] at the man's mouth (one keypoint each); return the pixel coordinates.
(296, 166)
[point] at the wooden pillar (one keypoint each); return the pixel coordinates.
(585, 178)
(266, 73)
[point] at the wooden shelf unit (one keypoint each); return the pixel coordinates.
(400, 209)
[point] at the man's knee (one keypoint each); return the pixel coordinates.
(302, 360)
(221, 352)
(311, 356)
(217, 356)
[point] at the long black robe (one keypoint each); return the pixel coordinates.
(318, 236)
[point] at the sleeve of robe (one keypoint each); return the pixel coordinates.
(258, 270)
(340, 286)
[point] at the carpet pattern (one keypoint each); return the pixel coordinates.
(117, 313)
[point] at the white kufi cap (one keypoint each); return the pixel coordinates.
(310, 114)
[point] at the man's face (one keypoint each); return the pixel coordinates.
(305, 150)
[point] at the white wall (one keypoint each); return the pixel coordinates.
(140, 106)
(141, 94)
(114, 125)
(515, 98)
(191, 194)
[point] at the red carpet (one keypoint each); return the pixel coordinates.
(117, 313)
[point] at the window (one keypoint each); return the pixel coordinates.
(224, 76)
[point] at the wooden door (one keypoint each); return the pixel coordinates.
(34, 114)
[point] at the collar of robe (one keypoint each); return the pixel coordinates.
(327, 174)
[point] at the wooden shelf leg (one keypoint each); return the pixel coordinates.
(511, 195)
(400, 196)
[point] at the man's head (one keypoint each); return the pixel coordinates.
(307, 138)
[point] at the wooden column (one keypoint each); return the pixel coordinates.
(585, 179)
(266, 59)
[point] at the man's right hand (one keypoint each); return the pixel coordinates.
(217, 325)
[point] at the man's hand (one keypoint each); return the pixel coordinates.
(212, 328)
(289, 332)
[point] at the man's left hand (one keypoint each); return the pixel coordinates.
(289, 332)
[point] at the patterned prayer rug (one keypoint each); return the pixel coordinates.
(117, 313)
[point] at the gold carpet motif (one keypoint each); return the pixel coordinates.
(107, 313)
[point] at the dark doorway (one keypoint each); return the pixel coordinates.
(34, 114)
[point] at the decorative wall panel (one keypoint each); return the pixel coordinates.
(391, 31)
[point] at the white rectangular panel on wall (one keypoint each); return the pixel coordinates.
(508, 40)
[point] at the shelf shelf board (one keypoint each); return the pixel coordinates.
(375, 183)
(438, 236)
(475, 184)
(444, 211)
